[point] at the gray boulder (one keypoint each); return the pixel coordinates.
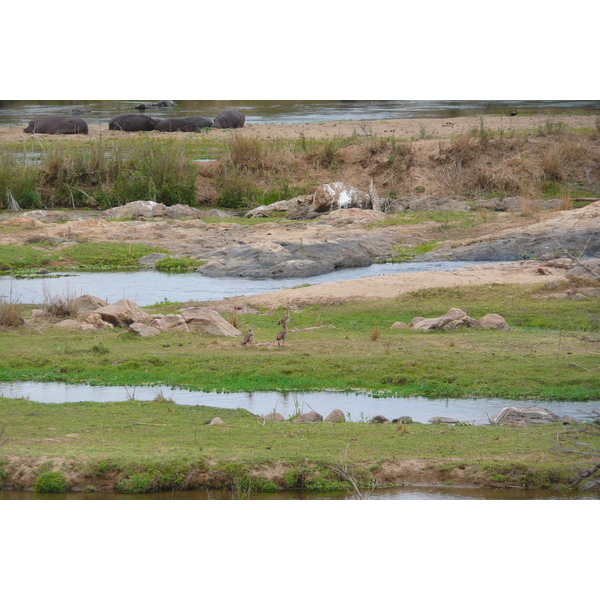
(137, 210)
(527, 415)
(309, 417)
(443, 420)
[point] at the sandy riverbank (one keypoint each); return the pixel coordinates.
(398, 128)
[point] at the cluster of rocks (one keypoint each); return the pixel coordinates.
(90, 313)
(506, 416)
(455, 318)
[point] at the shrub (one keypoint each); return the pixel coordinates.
(51, 482)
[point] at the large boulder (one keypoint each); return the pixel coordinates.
(83, 305)
(169, 323)
(123, 313)
(527, 415)
(335, 416)
(456, 318)
(338, 195)
(209, 321)
(140, 209)
(493, 321)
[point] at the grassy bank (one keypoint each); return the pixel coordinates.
(140, 447)
(549, 353)
(550, 161)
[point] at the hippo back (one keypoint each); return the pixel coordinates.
(176, 125)
(63, 124)
(200, 121)
(229, 119)
(132, 122)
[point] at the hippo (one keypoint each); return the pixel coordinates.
(229, 119)
(132, 122)
(177, 125)
(161, 104)
(57, 124)
(200, 121)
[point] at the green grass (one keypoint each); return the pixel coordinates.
(546, 355)
(148, 446)
(85, 256)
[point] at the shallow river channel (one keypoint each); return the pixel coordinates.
(147, 287)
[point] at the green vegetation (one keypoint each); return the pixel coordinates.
(546, 354)
(178, 265)
(85, 256)
(548, 161)
(139, 447)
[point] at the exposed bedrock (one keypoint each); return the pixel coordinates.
(574, 232)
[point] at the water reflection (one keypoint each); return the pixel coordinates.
(356, 406)
(400, 493)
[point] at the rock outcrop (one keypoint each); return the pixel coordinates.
(456, 318)
(528, 415)
(570, 232)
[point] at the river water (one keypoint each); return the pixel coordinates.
(20, 112)
(147, 286)
(356, 406)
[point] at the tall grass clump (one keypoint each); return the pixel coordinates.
(158, 170)
(18, 184)
(11, 315)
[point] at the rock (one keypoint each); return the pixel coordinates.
(83, 305)
(335, 416)
(586, 269)
(98, 322)
(277, 260)
(431, 324)
(208, 320)
(403, 420)
(72, 324)
(336, 196)
(399, 325)
(493, 321)
(436, 204)
(274, 416)
(444, 420)
(309, 417)
(353, 216)
(123, 313)
(169, 323)
(527, 415)
(571, 231)
(136, 210)
(143, 330)
(217, 421)
(183, 211)
(377, 419)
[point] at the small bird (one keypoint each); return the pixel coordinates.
(284, 320)
(249, 337)
(282, 335)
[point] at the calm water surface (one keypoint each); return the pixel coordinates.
(20, 112)
(148, 287)
(356, 406)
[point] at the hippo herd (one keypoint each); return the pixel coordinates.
(227, 119)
